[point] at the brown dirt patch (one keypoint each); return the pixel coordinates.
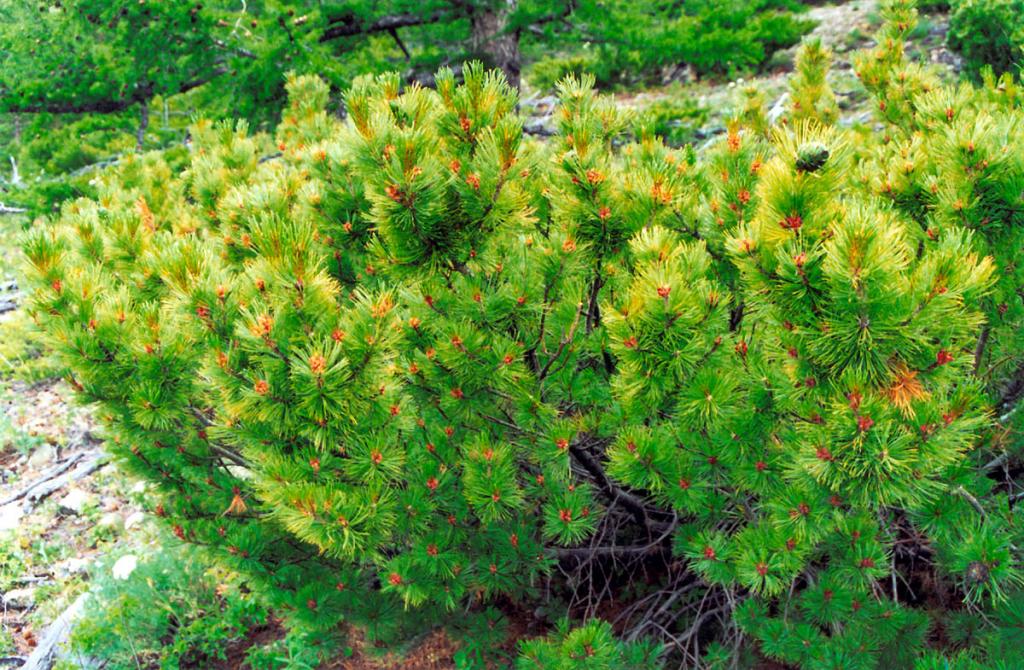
(436, 651)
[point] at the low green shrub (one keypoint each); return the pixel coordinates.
(416, 364)
(296, 650)
(592, 646)
(714, 38)
(547, 72)
(675, 119)
(988, 33)
(172, 610)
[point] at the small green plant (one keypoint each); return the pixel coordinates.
(6, 642)
(297, 650)
(592, 646)
(675, 118)
(14, 438)
(855, 38)
(545, 74)
(480, 636)
(12, 561)
(164, 609)
(923, 28)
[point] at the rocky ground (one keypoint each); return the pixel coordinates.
(845, 28)
(63, 506)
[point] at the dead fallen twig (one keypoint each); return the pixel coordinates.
(45, 489)
(85, 463)
(45, 654)
(32, 579)
(55, 471)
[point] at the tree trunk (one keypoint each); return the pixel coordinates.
(490, 41)
(140, 134)
(15, 175)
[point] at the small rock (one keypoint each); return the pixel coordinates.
(545, 103)
(538, 128)
(42, 456)
(134, 519)
(111, 520)
(124, 566)
(863, 119)
(10, 516)
(75, 501)
(682, 72)
(783, 60)
(20, 599)
(707, 132)
(72, 566)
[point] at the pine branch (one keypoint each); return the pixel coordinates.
(996, 462)
(979, 349)
(1014, 390)
(562, 344)
(224, 452)
(736, 317)
(616, 552)
(401, 45)
(552, 17)
(593, 309)
(110, 105)
(350, 25)
(230, 455)
(596, 470)
(963, 493)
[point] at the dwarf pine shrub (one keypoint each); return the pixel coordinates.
(753, 402)
(988, 34)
